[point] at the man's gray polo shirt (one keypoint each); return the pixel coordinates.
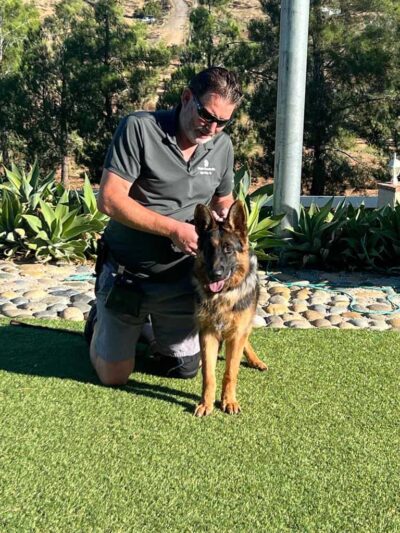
(144, 152)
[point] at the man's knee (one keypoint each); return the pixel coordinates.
(112, 374)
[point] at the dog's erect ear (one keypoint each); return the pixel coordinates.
(236, 219)
(203, 219)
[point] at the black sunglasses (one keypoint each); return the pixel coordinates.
(207, 116)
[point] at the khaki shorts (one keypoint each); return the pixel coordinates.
(170, 307)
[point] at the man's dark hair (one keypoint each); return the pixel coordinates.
(217, 80)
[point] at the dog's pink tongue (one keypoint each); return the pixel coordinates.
(216, 286)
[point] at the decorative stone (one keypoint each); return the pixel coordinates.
(46, 282)
(35, 294)
(52, 300)
(340, 303)
(337, 310)
(292, 316)
(281, 290)
(258, 322)
(322, 323)
(85, 308)
(341, 298)
(7, 276)
(19, 300)
(359, 322)
(319, 308)
(10, 312)
(264, 296)
(274, 322)
(81, 298)
(33, 307)
(334, 319)
(302, 293)
(351, 314)
(72, 313)
(298, 324)
(299, 307)
(278, 299)
(7, 305)
(346, 325)
(312, 315)
(260, 311)
(56, 308)
(394, 321)
(380, 307)
(378, 325)
(9, 294)
(276, 309)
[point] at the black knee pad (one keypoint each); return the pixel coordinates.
(179, 367)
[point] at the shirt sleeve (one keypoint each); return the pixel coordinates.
(225, 186)
(125, 151)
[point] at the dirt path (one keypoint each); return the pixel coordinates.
(174, 29)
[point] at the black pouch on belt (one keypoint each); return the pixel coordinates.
(125, 296)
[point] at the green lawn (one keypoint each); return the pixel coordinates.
(316, 448)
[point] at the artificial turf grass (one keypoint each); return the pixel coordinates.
(315, 449)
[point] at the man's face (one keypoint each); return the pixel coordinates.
(202, 118)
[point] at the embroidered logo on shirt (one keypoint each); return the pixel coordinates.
(206, 169)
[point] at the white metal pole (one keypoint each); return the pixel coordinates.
(290, 109)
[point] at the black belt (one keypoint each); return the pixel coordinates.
(170, 275)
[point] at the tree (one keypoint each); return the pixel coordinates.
(17, 20)
(117, 69)
(82, 71)
(352, 82)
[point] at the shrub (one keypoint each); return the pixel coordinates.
(41, 219)
(262, 239)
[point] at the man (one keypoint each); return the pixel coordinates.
(159, 166)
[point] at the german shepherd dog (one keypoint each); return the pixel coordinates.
(227, 286)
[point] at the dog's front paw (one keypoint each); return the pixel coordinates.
(230, 406)
(203, 409)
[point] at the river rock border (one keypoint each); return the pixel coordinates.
(288, 299)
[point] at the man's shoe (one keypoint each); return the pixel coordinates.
(176, 367)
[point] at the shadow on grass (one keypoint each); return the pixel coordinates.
(64, 355)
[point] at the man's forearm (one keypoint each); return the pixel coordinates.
(130, 213)
(114, 200)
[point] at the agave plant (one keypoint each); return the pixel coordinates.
(361, 244)
(315, 234)
(261, 236)
(390, 233)
(29, 187)
(60, 232)
(88, 206)
(12, 232)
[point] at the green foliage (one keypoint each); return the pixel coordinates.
(29, 187)
(79, 72)
(262, 238)
(312, 240)
(353, 83)
(41, 219)
(346, 238)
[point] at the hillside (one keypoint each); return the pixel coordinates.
(174, 27)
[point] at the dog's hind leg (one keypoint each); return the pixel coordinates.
(252, 358)
(209, 353)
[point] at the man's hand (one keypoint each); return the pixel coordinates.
(221, 215)
(185, 238)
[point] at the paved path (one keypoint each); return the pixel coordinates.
(290, 299)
